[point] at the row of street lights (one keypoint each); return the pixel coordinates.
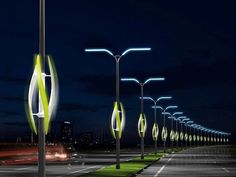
(47, 103)
(118, 116)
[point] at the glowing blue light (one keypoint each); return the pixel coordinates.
(157, 107)
(189, 122)
(166, 113)
(164, 98)
(185, 119)
(135, 49)
(99, 50)
(130, 79)
(160, 98)
(154, 79)
(147, 98)
(171, 107)
(171, 117)
(182, 117)
(177, 113)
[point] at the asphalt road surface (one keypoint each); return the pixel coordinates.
(85, 163)
(212, 161)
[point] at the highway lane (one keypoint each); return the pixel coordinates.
(213, 161)
(85, 163)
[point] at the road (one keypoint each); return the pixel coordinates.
(195, 162)
(212, 161)
(85, 163)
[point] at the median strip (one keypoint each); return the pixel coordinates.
(128, 168)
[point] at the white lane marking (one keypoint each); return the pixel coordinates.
(80, 170)
(162, 168)
(227, 171)
(159, 171)
(23, 168)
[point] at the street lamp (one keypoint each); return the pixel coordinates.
(177, 133)
(189, 123)
(172, 132)
(142, 123)
(155, 129)
(194, 133)
(186, 130)
(198, 133)
(176, 127)
(201, 137)
(118, 115)
(164, 132)
(37, 88)
(181, 135)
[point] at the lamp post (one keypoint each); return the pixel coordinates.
(118, 116)
(177, 133)
(46, 105)
(172, 132)
(176, 127)
(189, 123)
(201, 137)
(181, 135)
(155, 129)
(142, 123)
(198, 134)
(195, 137)
(164, 132)
(41, 136)
(186, 130)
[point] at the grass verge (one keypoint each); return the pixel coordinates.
(128, 168)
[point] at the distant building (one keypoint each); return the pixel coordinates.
(66, 132)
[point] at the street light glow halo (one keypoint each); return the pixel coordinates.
(135, 49)
(147, 98)
(189, 122)
(154, 79)
(185, 120)
(158, 107)
(182, 117)
(171, 107)
(99, 50)
(166, 113)
(177, 113)
(130, 79)
(164, 98)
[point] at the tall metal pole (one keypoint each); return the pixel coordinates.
(176, 129)
(118, 103)
(142, 136)
(186, 130)
(183, 134)
(190, 135)
(41, 134)
(198, 133)
(172, 141)
(155, 121)
(164, 125)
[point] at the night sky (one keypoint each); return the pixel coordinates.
(193, 47)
